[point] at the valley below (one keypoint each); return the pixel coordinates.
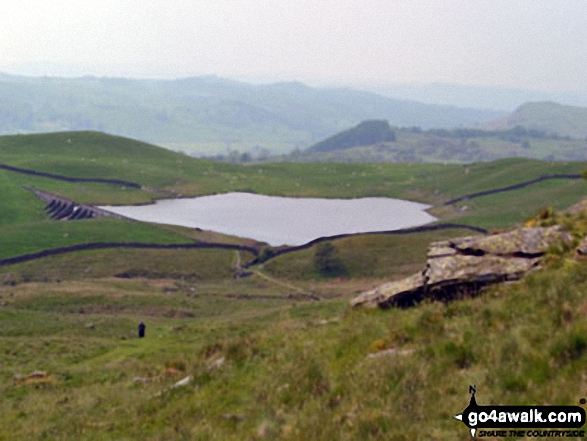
(247, 341)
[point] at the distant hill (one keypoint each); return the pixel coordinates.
(366, 133)
(414, 144)
(547, 116)
(209, 114)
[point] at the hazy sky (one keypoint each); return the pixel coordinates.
(538, 44)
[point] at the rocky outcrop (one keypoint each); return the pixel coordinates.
(465, 265)
(577, 209)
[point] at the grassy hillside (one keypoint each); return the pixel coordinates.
(265, 365)
(92, 154)
(25, 227)
(193, 265)
(505, 209)
(363, 257)
(548, 116)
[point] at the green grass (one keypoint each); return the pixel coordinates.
(36, 236)
(17, 204)
(190, 264)
(292, 370)
(96, 155)
(93, 154)
(506, 209)
(423, 182)
(369, 256)
(26, 228)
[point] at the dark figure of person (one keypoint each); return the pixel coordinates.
(141, 330)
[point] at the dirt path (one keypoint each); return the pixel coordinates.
(286, 285)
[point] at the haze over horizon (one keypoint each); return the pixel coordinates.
(528, 44)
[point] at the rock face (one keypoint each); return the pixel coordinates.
(464, 265)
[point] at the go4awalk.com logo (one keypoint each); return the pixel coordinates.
(522, 421)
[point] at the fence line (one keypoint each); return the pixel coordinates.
(512, 187)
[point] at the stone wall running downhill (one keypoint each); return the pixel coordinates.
(69, 179)
(512, 187)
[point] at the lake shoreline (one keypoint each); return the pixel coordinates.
(281, 220)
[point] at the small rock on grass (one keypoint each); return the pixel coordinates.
(184, 382)
(233, 416)
(142, 380)
(33, 377)
(391, 352)
(217, 364)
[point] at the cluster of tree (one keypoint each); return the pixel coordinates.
(236, 157)
(327, 261)
(366, 133)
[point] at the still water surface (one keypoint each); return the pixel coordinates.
(279, 220)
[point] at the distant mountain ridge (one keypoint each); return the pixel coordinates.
(209, 110)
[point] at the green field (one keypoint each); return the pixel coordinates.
(368, 256)
(291, 369)
(505, 209)
(25, 227)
